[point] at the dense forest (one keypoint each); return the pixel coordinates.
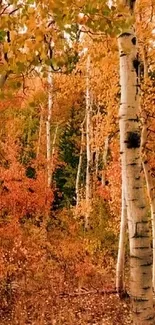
(77, 162)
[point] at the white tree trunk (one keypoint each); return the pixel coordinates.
(88, 143)
(120, 283)
(77, 185)
(147, 171)
(53, 149)
(48, 128)
(138, 222)
(105, 155)
(97, 150)
(40, 131)
(150, 183)
(151, 193)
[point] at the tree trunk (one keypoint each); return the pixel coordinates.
(77, 185)
(88, 143)
(53, 150)
(3, 78)
(4, 75)
(151, 193)
(147, 170)
(97, 162)
(48, 128)
(120, 284)
(40, 131)
(97, 149)
(105, 155)
(138, 222)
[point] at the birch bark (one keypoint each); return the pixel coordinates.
(53, 149)
(151, 193)
(48, 128)
(88, 143)
(77, 185)
(138, 222)
(130, 147)
(120, 284)
(105, 155)
(150, 183)
(40, 131)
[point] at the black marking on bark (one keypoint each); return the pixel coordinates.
(142, 207)
(131, 4)
(133, 40)
(150, 317)
(146, 288)
(133, 140)
(122, 54)
(140, 236)
(143, 247)
(136, 64)
(123, 294)
(145, 162)
(121, 152)
(132, 164)
(147, 264)
(136, 257)
(137, 178)
(136, 312)
(134, 119)
(125, 34)
(139, 300)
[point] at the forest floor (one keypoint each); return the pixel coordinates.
(59, 279)
(68, 305)
(94, 309)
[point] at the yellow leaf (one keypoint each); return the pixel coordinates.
(6, 47)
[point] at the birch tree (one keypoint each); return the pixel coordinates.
(54, 148)
(88, 142)
(77, 185)
(40, 131)
(138, 221)
(48, 128)
(151, 193)
(120, 284)
(150, 183)
(104, 158)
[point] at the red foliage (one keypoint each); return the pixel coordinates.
(21, 195)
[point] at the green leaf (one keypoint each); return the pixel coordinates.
(2, 35)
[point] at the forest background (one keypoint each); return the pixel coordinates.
(60, 175)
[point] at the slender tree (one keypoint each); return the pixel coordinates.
(48, 128)
(104, 158)
(40, 131)
(77, 185)
(88, 142)
(53, 148)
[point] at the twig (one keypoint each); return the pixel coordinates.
(92, 292)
